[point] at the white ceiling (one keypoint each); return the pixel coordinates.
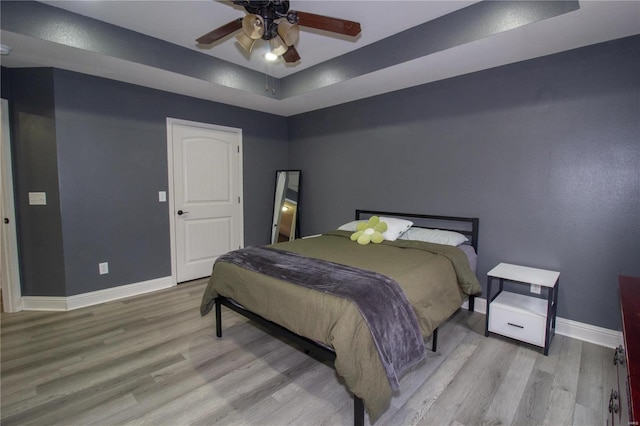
(166, 20)
(181, 22)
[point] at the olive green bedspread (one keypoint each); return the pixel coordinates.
(434, 277)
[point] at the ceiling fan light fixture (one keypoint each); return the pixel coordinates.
(277, 46)
(289, 32)
(270, 56)
(253, 26)
(245, 41)
(272, 21)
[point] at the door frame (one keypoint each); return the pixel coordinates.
(170, 183)
(11, 291)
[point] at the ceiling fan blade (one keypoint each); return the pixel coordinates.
(221, 32)
(334, 25)
(291, 55)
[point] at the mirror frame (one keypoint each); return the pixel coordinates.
(281, 202)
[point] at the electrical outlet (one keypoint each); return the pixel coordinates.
(535, 288)
(103, 268)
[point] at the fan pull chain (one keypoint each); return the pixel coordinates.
(266, 84)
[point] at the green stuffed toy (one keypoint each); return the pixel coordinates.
(369, 231)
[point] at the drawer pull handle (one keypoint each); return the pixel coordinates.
(618, 356)
(515, 325)
(613, 407)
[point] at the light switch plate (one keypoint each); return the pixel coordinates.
(38, 198)
(162, 196)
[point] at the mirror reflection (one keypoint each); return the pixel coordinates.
(285, 206)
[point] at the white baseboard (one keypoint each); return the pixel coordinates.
(47, 303)
(480, 305)
(574, 329)
(589, 333)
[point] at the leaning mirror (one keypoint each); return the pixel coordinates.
(285, 206)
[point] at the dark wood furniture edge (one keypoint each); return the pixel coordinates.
(630, 310)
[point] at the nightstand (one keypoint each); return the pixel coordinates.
(521, 316)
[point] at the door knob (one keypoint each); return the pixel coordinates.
(180, 212)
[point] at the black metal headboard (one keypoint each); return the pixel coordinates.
(467, 226)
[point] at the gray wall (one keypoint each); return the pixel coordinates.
(102, 172)
(34, 144)
(545, 152)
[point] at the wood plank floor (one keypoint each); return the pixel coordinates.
(154, 360)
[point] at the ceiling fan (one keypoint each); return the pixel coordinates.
(271, 20)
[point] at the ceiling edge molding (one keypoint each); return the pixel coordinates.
(40, 21)
(475, 22)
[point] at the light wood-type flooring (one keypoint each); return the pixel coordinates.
(154, 360)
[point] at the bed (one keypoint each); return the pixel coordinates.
(435, 279)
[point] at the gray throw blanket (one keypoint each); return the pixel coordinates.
(382, 303)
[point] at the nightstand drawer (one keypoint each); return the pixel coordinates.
(524, 326)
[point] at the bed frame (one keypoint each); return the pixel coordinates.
(465, 226)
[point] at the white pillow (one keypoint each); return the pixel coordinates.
(395, 227)
(437, 236)
(350, 226)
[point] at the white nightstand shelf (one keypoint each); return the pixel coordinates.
(520, 316)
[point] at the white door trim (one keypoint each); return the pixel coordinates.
(11, 292)
(172, 216)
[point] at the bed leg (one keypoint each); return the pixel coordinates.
(358, 411)
(472, 303)
(434, 340)
(218, 318)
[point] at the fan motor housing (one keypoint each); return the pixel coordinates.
(270, 11)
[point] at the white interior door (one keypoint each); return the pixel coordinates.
(9, 269)
(207, 199)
